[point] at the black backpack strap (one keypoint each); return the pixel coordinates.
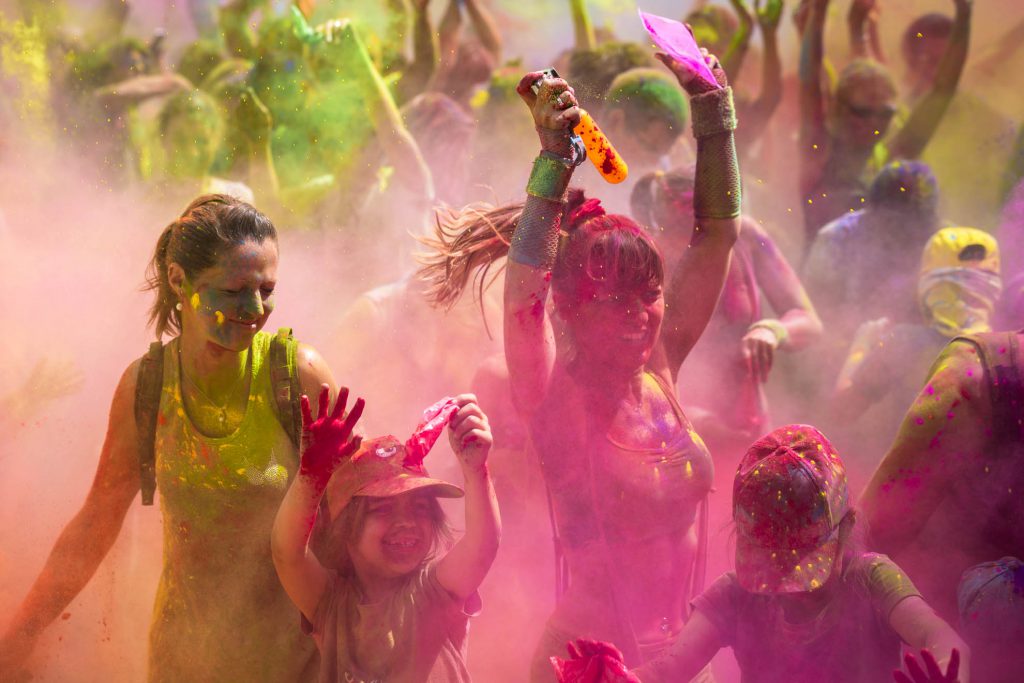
(284, 377)
(1000, 357)
(148, 386)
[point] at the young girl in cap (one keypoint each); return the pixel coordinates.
(804, 604)
(386, 610)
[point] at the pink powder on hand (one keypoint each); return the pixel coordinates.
(435, 418)
(675, 39)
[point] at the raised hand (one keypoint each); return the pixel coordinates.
(931, 673)
(328, 439)
(554, 105)
(769, 14)
(592, 661)
(689, 78)
(470, 433)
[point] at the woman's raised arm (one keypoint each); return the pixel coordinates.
(87, 538)
(694, 287)
(529, 339)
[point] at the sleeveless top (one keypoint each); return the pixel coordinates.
(607, 494)
(221, 613)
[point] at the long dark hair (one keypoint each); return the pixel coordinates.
(594, 247)
(210, 225)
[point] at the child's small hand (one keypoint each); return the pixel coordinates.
(328, 440)
(932, 673)
(470, 434)
(592, 661)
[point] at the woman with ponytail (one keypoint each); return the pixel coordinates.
(593, 373)
(223, 461)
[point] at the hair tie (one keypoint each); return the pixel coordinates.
(584, 212)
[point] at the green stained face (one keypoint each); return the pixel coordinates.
(230, 302)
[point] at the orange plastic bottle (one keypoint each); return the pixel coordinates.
(600, 150)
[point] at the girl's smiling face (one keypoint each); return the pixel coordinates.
(397, 535)
(231, 301)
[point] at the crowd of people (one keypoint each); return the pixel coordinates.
(838, 250)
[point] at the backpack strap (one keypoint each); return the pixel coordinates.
(999, 353)
(148, 386)
(284, 378)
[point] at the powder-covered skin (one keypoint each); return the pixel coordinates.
(943, 489)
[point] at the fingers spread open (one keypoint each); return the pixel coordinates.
(307, 416)
(916, 673)
(325, 401)
(953, 670)
(339, 404)
(354, 415)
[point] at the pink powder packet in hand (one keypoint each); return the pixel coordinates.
(675, 39)
(435, 419)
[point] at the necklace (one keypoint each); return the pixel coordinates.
(222, 416)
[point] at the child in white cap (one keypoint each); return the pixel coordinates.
(395, 603)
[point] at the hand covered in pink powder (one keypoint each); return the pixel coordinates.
(470, 433)
(931, 673)
(328, 440)
(592, 661)
(688, 76)
(758, 348)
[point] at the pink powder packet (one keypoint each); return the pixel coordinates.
(435, 419)
(673, 38)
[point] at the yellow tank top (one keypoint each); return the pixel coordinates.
(221, 613)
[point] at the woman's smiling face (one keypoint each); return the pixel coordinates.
(231, 301)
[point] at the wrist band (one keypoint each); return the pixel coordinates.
(564, 144)
(550, 177)
(713, 113)
(775, 326)
(535, 240)
(716, 192)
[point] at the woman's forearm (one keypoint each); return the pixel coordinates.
(927, 114)
(736, 52)
(697, 282)
(398, 145)
(812, 58)
(75, 557)
(758, 113)
(802, 328)
(485, 27)
(425, 56)
(583, 27)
